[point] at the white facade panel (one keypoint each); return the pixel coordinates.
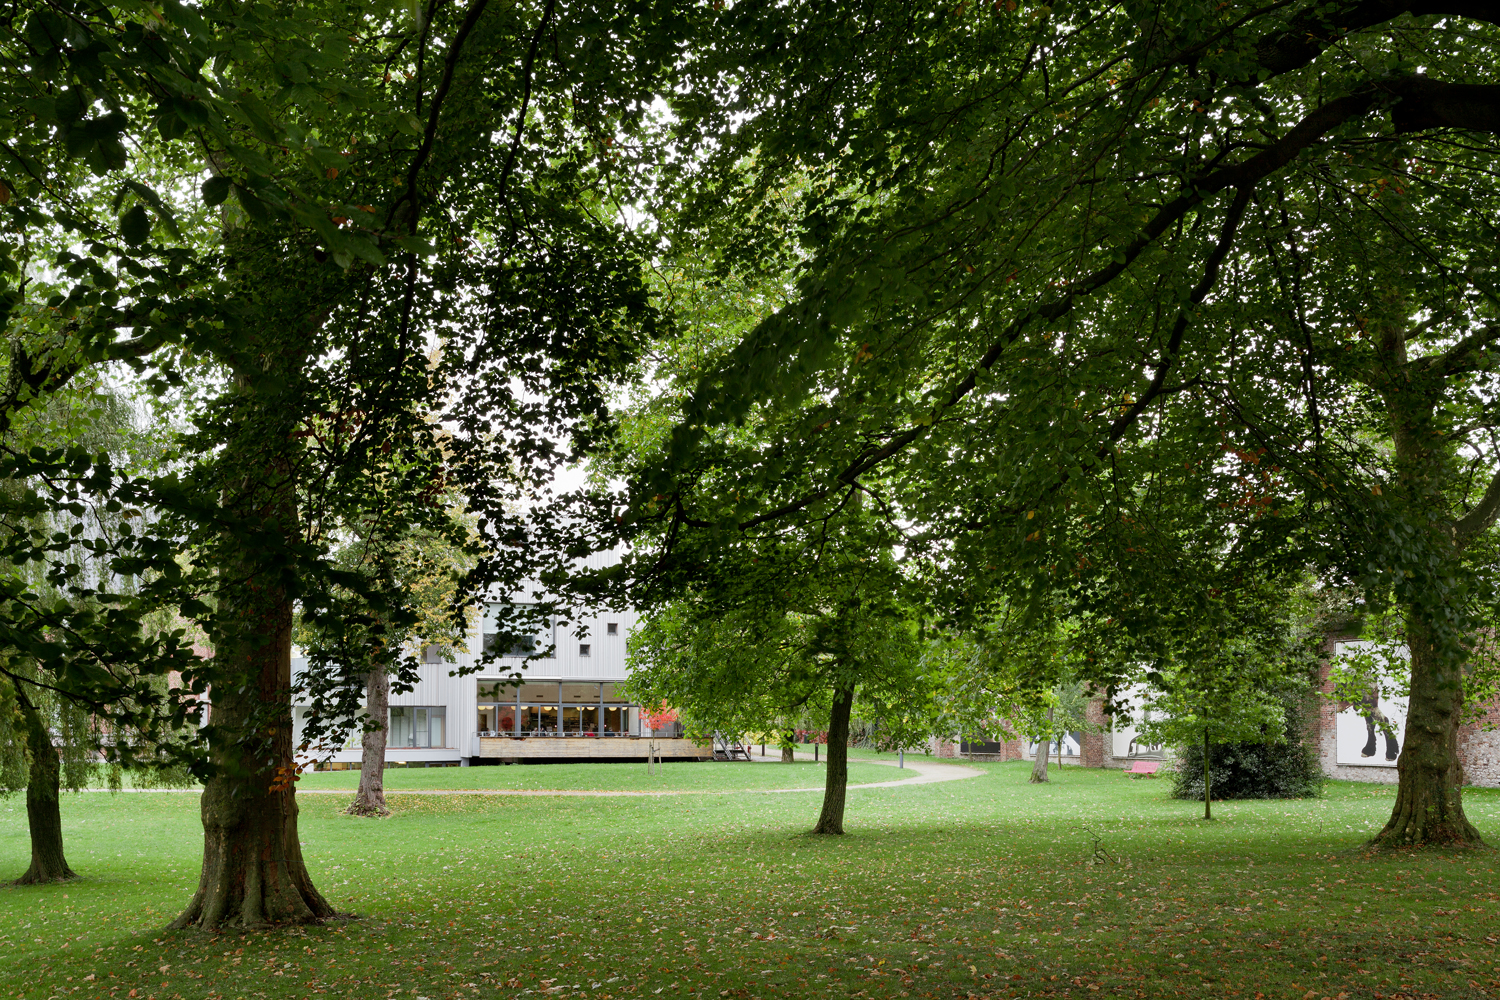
(603, 659)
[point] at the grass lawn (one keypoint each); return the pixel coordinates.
(673, 776)
(980, 887)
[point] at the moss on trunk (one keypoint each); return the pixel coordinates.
(1429, 797)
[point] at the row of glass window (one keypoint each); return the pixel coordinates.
(536, 720)
(554, 693)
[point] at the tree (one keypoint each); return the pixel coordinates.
(1262, 768)
(416, 570)
(1003, 283)
(50, 743)
(805, 626)
(1393, 439)
(1066, 712)
(1224, 703)
(31, 756)
(301, 294)
(1007, 675)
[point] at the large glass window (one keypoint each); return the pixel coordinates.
(552, 708)
(616, 721)
(539, 720)
(418, 726)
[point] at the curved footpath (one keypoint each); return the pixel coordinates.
(927, 773)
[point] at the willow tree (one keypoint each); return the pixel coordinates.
(47, 745)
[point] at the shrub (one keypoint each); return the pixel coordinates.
(1288, 770)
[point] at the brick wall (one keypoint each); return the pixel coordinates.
(938, 747)
(1097, 749)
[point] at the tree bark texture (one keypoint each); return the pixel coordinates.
(253, 873)
(1429, 794)
(370, 799)
(788, 747)
(831, 820)
(1042, 756)
(43, 789)
(1430, 776)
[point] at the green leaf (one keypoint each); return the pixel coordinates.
(253, 206)
(215, 189)
(416, 245)
(135, 226)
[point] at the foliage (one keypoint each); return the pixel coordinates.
(287, 209)
(1043, 269)
(75, 735)
(411, 575)
(1286, 767)
(807, 618)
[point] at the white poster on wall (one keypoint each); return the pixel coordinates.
(1372, 730)
(1126, 744)
(1072, 743)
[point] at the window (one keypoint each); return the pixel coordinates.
(612, 628)
(515, 645)
(583, 649)
(432, 654)
(418, 726)
(353, 735)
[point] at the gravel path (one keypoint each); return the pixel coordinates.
(927, 773)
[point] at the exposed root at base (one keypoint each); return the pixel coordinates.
(30, 879)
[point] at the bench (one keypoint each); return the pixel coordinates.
(1146, 767)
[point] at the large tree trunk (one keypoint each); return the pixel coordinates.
(253, 872)
(1429, 793)
(43, 789)
(788, 746)
(1042, 755)
(831, 820)
(370, 799)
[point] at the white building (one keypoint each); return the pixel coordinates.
(567, 706)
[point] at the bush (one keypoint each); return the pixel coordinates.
(1287, 770)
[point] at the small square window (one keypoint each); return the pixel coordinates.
(432, 654)
(613, 628)
(583, 649)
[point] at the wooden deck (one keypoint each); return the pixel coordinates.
(588, 748)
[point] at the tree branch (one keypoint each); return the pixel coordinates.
(1455, 359)
(1480, 517)
(1240, 175)
(1308, 34)
(429, 134)
(1427, 103)
(527, 72)
(1179, 329)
